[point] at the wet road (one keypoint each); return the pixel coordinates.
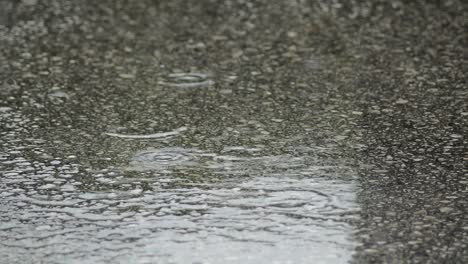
(233, 131)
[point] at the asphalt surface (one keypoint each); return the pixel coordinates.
(377, 90)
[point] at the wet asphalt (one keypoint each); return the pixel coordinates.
(370, 94)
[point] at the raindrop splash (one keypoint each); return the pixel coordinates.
(187, 80)
(162, 158)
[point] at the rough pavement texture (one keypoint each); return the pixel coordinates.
(402, 65)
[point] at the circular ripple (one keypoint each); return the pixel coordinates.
(162, 158)
(188, 80)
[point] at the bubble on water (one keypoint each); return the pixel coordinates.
(187, 80)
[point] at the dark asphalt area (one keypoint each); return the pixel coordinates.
(391, 79)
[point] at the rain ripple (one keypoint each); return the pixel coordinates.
(284, 219)
(187, 80)
(289, 210)
(163, 158)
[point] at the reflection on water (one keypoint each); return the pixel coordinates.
(296, 220)
(288, 209)
(247, 173)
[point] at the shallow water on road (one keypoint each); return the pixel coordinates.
(151, 164)
(288, 220)
(286, 208)
(233, 131)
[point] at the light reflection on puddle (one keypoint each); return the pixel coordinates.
(287, 210)
(165, 159)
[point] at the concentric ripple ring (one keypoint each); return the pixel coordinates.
(162, 158)
(187, 80)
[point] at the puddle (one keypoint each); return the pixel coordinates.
(225, 163)
(257, 180)
(287, 209)
(290, 220)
